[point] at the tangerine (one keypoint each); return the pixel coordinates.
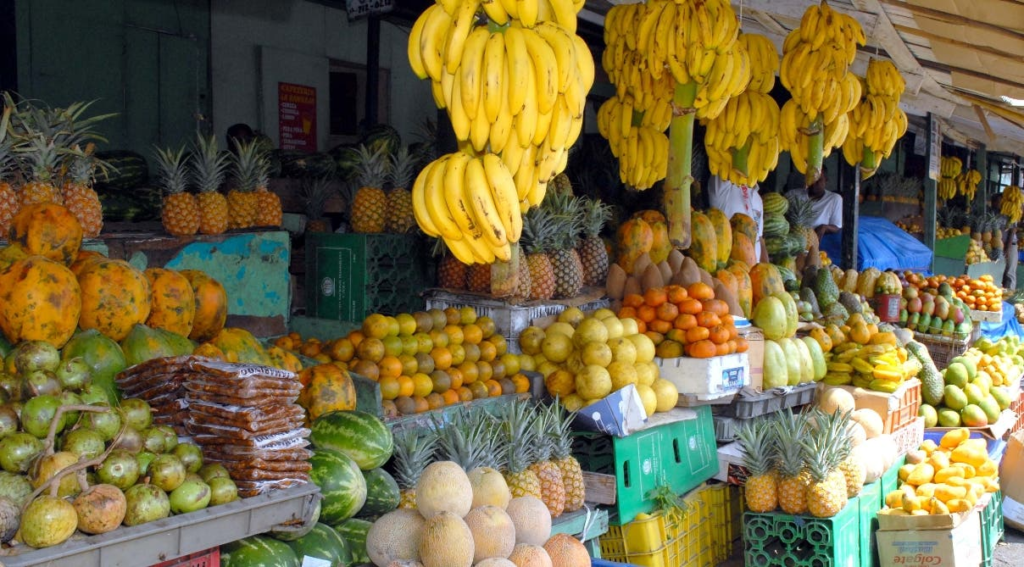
(389, 387)
(465, 394)
(488, 351)
(409, 364)
(455, 336)
(451, 397)
(422, 384)
(367, 369)
(406, 386)
(371, 349)
(472, 334)
(655, 296)
(442, 358)
(376, 326)
(435, 401)
(390, 366)
(700, 290)
(486, 325)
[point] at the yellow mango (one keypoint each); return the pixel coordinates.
(942, 475)
(922, 473)
(957, 481)
(938, 506)
(988, 468)
(916, 456)
(953, 438)
(927, 490)
(895, 512)
(912, 503)
(993, 485)
(959, 505)
(969, 453)
(969, 471)
(929, 446)
(946, 492)
(939, 460)
(920, 513)
(905, 471)
(895, 498)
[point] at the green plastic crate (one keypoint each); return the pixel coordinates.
(870, 499)
(682, 455)
(775, 539)
(349, 276)
(992, 528)
(891, 478)
(955, 247)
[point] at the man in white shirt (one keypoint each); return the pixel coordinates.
(732, 199)
(826, 206)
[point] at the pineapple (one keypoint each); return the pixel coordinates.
(268, 204)
(552, 486)
(315, 192)
(564, 259)
(451, 273)
(462, 439)
(591, 250)
(180, 212)
(789, 428)
(400, 218)
(43, 158)
(519, 442)
(538, 229)
(852, 469)
(761, 491)
(800, 216)
(478, 278)
(8, 197)
(79, 196)
(208, 169)
(368, 207)
(249, 166)
(561, 453)
(524, 286)
(826, 492)
(561, 185)
(414, 450)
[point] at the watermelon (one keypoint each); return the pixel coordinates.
(287, 532)
(381, 494)
(357, 434)
(323, 543)
(125, 171)
(354, 532)
(341, 484)
(382, 136)
(258, 550)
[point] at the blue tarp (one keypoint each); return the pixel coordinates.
(1007, 326)
(882, 245)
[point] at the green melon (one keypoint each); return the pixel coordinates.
(144, 343)
(361, 436)
(103, 356)
(354, 532)
(323, 542)
(341, 484)
(382, 494)
(258, 550)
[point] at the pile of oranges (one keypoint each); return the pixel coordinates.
(981, 294)
(684, 321)
(425, 360)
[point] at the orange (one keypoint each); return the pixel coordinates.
(488, 351)
(472, 334)
(484, 371)
(493, 388)
(465, 394)
(560, 383)
(676, 293)
(497, 369)
(521, 382)
(700, 290)
(706, 319)
(390, 366)
(667, 312)
(718, 335)
(685, 321)
(440, 338)
(389, 387)
(435, 401)
(456, 377)
(284, 342)
(486, 325)
(422, 384)
(470, 372)
(716, 306)
(741, 344)
(409, 365)
(479, 390)
(310, 349)
(442, 381)
(376, 326)
(455, 336)
(499, 343)
(371, 349)
(646, 313)
(424, 363)
(697, 334)
(471, 352)
(366, 369)
(410, 345)
(322, 358)
(691, 306)
(393, 327)
(423, 342)
(633, 300)
(405, 405)
(655, 296)
(406, 386)
(421, 404)
(423, 321)
(392, 345)
(656, 338)
(442, 358)
(406, 324)
(702, 349)
(627, 312)
(660, 326)
(458, 354)
(722, 349)
(453, 315)
(451, 397)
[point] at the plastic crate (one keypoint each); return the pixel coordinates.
(208, 558)
(681, 455)
(769, 402)
(781, 539)
(726, 428)
(725, 503)
(944, 349)
(891, 478)
(870, 499)
(349, 276)
(664, 541)
(992, 528)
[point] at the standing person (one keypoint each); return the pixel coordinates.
(731, 199)
(826, 205)
(1010, 247)
(239, 133)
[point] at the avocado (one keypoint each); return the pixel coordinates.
(808, 296)
(851, 302)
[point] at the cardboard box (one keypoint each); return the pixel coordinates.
(1013, 513)
(949, 547)
(1012, 484)
(730, 464)
(619, 414)
(888, 406)
(707, 378)
(991, 431)
(755, 354)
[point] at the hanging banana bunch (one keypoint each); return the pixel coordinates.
(878, 121)
(742, 142)
(815, 62)
(967, 183)
(949, 170)
(513, 77)
(676, 60)
(1012, 203)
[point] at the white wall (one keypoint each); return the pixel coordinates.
(315, 34)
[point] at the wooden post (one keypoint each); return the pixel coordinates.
(930, 190)
(372, 70)
(851, 214)
(981, 164)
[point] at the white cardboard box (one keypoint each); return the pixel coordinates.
(956, 547)
(618, 414)
(1011, 481)
(707, 378)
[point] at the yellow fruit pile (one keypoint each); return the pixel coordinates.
(967, 183)
(742, 142)
(949, 169)
(879, 367)
(1012, 203)
(878, 121)
(944, 479)
(513, 77)
(652, 48)
(816, 58)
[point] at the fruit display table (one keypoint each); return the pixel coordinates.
(154, 542)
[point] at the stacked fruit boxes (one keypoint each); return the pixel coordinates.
(777, 539)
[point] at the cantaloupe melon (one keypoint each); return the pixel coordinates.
(405, 564)
(494, 535)
(870, 421)
(870, 462)
(395, 536)
(446, 542)
(832, 399)
(495, 562)
(856, 434)
(489, 488)
(526, 555)
(566, 551)
(531, 518)
(444, 487)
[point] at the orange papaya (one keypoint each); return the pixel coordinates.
(765, 280)
(743, 249)
(723, 235)
(703, 245)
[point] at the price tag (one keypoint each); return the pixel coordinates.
(362, 8)
(308, 561)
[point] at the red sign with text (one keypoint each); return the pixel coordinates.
(296, 110)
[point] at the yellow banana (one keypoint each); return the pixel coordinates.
(458, 33)
(472, 70)
(494, 68)
(563, 48)
(432, 38)
(413, 45)
(718, 80)
(512, 155)
(518, 69)
(511, 8)
(450, 6)
(575, 127)
(506, 199)
(477, 192)
(437, 93)
(456, 112)
(545, 70)
(528, 10)
(501, 130)
(454, 195)
(419, 203)
(438, 210)
(584, 62)
(495, 11)
(461, 250)
(524, 175)
(540, 131)
(479, 133)
(565, 14)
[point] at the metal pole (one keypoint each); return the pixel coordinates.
(851, 215)
(372, 69)
(930, 188)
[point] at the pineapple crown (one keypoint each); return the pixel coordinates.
(562, 446)
(538, 229)
(173, 174)
(251, 168)
(519, 435)
(758, 442)
(595, 214)
(414, 450)
(788, 428)
(403, 166)
(315, 191)
(209, 164)
(568, 219)
(543, 424)
(7, 161)
(826, 444)
(84, 163)
(373, 168)
(462, 440)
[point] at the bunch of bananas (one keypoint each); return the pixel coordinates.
(816, 58)
(967, 183)
(879, 367)
(653, 48)
(878, 121)
(742, 143)
(513, 77)
(1012, 203)
(949, 169)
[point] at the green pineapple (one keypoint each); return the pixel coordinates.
(519, 439)
(180, 211)
(761, 491)
(592, 252)
(789, 428)
(399, 216)
(565, 260)
(209, 168)
(538, 231)
(552, 486)
(826, 492)
(369, 205)
(561, 454)
(414, 450)
(315, 191)
(249, 171)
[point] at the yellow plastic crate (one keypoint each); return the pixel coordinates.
(726, 522)
(658, 541)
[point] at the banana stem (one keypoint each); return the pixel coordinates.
(815, 150)
(638, 118)
(739, 159)
(868, 164)
(680, 163)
